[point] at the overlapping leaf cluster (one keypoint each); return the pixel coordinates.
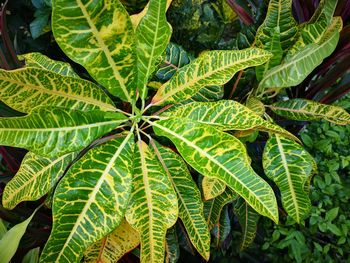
(114, 184)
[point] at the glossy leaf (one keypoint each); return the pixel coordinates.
(36, 176)
(38, 60)
(212, 187)
(189, 198)
(211, 68)
(32, 256)
(225, 115)
(153, 34)
(153, 204)
(24, 89)
(220, 155)
(248, 219)
(99, 36)
(56, 131)
(279, 15)
(255, 105)
(213, 208)
(289, 166)
(325, 8)
(172, 249)
(301, 109)
(90, 200)
(113, 247)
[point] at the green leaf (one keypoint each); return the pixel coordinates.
(212, 187)
(289, 166)
(301, 109)
(10, 241)
(38, 60)
(189, 198)
(3, 227)
(153, 34)
(24, 89)
(219, 155)
(113, 247)
(153, 204)
(255, 105)
(56, 131)
(332, 214)
(172, 249)
(222, 230)
(90, 200)
(295, 68)
(32, 256)
(211, 68)
(279, 14)
(36, 176)
(213, 207)
(99, 36)
(225, 115)
(248, 219)
(325, 8)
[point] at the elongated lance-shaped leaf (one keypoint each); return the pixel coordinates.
(255, 105)
(113, 247)
(38, 60)
(172, 248)
(24, 89)
(211, 68)
(248, 219)
(90, 200)
(297, 67)
(153, 204)
(36, 176)
(225, 115)
(223, 228)
(213, 208)
(325, 8)
(220, 155)
(289, 166)
(212, 187)
(99, 36)
(153, 35)
(279, 14)
(188, 196)
(273, 46)
(56, 131)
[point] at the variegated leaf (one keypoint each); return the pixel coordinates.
(90, 200)
(56, 131)
(211, 68)
(153, 35)
(98, 35)
(325, 8)
(248, 219)
(222, 229)
(213, 208)
(255, 105)
(289, 166)
(225, 115)
(212, 187)
(189, 198)
(153, 204)
(38, 60)
(172, 249)
(295, 68)
(301, 109)
(113, 247)
(279, 14)
(219, 155)
(36, 176)
(24, 89)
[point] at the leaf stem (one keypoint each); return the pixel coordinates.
(236, 84)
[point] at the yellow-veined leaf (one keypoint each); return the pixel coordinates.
(289, 166)
(216, 154)
(189, 198)
(99, 36)
(153, 34)
(114, 246)
(36, 176)
(212, 187)
(23, 89)
(38, 60)
(325, 8)
(248, 219)
(153, 204)
(56, 131)
(211, 68)
(90, 200)
(256, 106)
(301, 109)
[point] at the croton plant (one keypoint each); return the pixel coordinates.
(118, 157)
